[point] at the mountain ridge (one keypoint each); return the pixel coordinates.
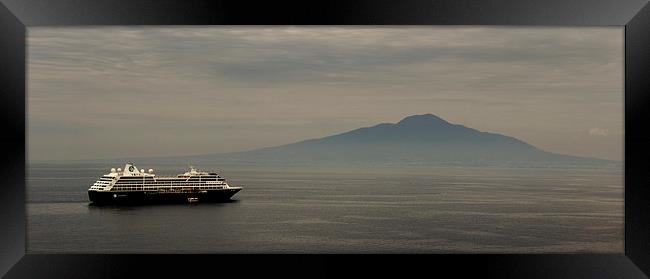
(402, 130)
(424, 139)
(419, 139)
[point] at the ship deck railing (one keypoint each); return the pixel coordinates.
(163, 188)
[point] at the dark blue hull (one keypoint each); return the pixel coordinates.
(152, 197)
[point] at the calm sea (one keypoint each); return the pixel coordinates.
(282, 210)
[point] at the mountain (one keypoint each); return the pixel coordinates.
(418, 139)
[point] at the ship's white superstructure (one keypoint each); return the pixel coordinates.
(131, 182)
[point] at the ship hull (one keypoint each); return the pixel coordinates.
(153, 197)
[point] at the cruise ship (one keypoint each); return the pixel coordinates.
(130, 185)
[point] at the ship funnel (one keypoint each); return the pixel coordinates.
(129, 168)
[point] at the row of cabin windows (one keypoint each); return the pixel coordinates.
(140, 176)
(163, 181)
(167, 186)
(160, 182)
(165, 178)
(151, 177)
(172, 188)
(164, 186)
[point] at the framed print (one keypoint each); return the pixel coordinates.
(504, 139)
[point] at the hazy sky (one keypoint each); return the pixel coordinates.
(108, 92)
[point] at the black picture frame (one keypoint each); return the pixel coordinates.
(17, 15)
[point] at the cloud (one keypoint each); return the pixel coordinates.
(598, 132)
(316, 54)
(246, 87)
